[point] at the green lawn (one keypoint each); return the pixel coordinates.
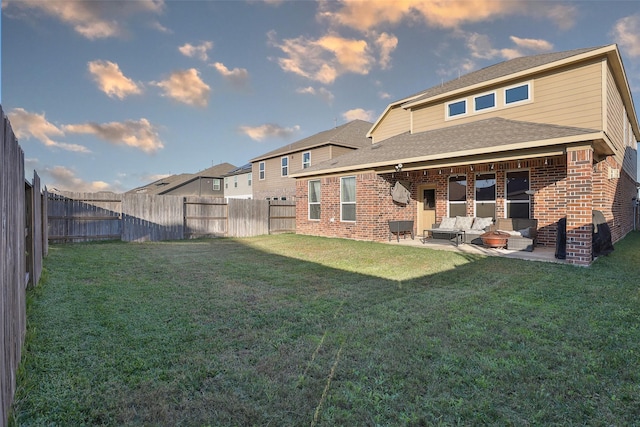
(291, 330)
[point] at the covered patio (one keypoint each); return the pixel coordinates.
(540, 253)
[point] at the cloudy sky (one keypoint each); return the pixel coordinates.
(111, 95)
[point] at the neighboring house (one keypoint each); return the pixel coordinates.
(207, 182)
(547, 137)
(238, 183)
(271, 171)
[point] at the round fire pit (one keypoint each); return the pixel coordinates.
(495, 239)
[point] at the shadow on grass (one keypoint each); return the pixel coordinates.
(294, 330)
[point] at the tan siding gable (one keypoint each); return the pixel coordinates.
(571, 97)
(616, 121)
(397, 121)
(275, 184)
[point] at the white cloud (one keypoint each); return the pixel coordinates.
(386, 43)
(324, 59)
(186, 86)
(197, 51)
(111, 80)
(138, 134)
(238, 77)
(365, 15)
(564, 16)
(93, 19)
(269, 130)
(323, 93)
(65, 179)
(626, 32)
(32, 125)
(161, 28)
(481, 47)
(384, 95)
(359, 113)
(537, 45)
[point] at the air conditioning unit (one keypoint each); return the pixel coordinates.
(614, 173)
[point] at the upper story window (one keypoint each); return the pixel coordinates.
(284, 163)
(484, 102)
(261, 171)
(518, 93)
(216, 185)
(457, 108)
(306, 160)
(235, 181)
(249, 178)
(226, 183)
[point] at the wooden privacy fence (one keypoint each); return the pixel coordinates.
(75, 217)
(22, 246)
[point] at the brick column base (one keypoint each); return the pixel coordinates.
(579, 199)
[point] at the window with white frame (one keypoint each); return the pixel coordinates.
(249, 178)
(515, 94)
(348, 198)
(314, 199)
(306, 160)
(226, 183)
(457, 196)
(216, 185)
(261, 171)
(517, 187)
(484, 102)
(235, 181)
(456, 108)
(284, 164)
(485, 199)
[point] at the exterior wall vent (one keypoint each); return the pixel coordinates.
(614, 173)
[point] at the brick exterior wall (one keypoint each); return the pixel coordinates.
(564, 186)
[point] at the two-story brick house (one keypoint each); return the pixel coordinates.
(547, 137)
(272, 171)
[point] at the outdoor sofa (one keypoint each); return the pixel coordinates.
(522, 232)
(471, 227)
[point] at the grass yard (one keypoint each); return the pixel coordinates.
(292, 330)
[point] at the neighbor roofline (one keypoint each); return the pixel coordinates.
(305, 148)
(595, 136)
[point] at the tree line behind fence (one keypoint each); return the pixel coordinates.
(76, 217)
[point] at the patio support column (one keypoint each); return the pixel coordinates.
(579, 200)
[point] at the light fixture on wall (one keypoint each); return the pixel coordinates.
(546, 161)
(398, 167)
(519, 164)
(440, 172)
(471, 168)
(491, 166)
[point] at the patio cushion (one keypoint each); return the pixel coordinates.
(448, 223)
(463, 222)
(481, 223)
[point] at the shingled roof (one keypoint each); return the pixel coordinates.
(352, 135)
(479, 137)
(168, 183)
